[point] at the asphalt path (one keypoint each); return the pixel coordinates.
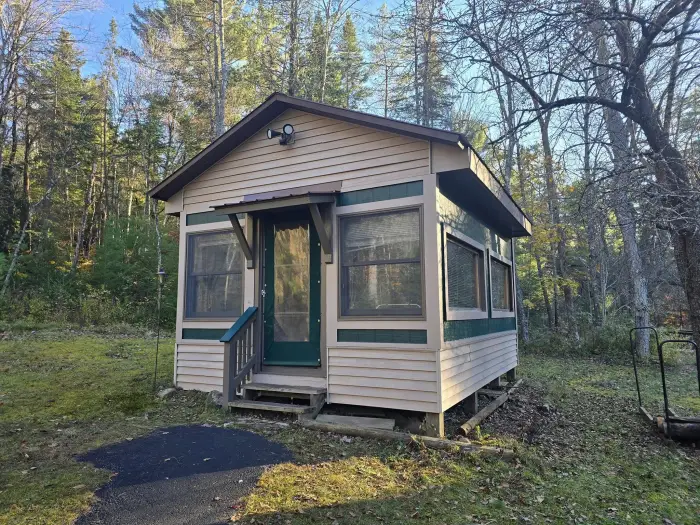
(184, 475)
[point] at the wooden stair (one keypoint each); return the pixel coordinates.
(313, 399)
(269, 406)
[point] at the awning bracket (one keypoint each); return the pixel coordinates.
(240, 235)
(323, 237)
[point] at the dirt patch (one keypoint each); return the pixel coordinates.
(525, 417)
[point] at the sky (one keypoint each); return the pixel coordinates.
(90, 27)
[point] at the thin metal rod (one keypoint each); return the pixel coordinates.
(634, 356)
(155, 368)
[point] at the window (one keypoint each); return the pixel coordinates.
(381, 271)
(214, 276)
(501, 287)
(465, 296)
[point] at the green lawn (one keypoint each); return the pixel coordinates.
(583, 454)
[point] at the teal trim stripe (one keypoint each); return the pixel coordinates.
(208, 217)
(383, 193)
(416, 337)
(455, 330)
(210, 334)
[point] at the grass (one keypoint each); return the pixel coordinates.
(583, 454)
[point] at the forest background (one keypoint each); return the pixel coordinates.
(587, 111)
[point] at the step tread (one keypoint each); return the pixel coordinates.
(288, 389)
(269, 406)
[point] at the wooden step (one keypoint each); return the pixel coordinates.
(271, 407)
(284, 389)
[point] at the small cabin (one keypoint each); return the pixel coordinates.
(343, 258)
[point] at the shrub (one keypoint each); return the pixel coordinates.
(610, 342)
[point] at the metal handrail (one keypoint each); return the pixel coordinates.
(239, 353)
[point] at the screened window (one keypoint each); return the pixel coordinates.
(214, 275)
(501, 295)
(465, 295)
(381, 264)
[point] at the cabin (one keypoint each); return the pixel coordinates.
(333, 256)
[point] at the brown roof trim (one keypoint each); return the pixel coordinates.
(271, 108)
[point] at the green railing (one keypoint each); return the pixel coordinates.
(240, 354)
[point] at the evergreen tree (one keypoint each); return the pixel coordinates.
(311, 76)
(351, 68)
(384, 61)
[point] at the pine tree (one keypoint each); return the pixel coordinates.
(423, 91)
(312, 75)
(352, 70)
(384, 61)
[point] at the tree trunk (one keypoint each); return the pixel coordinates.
(223, 75)
(293, 46)
(84, 219)
(619, 137)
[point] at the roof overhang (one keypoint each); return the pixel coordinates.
(487, 200)
(274, 106)
(275, 203)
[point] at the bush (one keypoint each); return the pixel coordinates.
(610, 341)
(119, 285)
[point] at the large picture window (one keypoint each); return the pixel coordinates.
(214, 286)
(501, 287)
(465, 294)
(381, 271)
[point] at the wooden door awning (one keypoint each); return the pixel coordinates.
(261, 203)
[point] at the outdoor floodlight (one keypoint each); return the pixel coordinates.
(286, 135)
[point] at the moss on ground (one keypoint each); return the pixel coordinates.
(583, 454)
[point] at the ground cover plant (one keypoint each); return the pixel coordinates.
(583, 455)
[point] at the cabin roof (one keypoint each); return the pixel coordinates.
(274, 106)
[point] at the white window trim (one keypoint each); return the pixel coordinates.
(462, 314)
(498, 313)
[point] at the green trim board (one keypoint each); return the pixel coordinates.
(455, 330)
(382, 193)
(208, 217)
(209, 334)
(416, 337)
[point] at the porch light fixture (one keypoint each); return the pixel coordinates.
(286, 135)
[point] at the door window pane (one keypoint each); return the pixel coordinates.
(500, 285)
(464, 276)
(292, 282)
(214, 275)
(381, 264)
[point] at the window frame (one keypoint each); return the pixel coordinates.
(499, 312)
(207, 316)
(462, 314)
(394, 315)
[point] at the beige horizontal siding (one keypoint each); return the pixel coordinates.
(200, 367)
(325, 150)
(403, 379)
(466, 368)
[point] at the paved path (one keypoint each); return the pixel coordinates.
(179, 476)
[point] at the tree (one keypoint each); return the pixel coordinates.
(351, 68)
(384, 62)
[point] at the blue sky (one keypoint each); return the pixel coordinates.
(90, 27)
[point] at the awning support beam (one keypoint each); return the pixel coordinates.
(240, 235)
(323, 237)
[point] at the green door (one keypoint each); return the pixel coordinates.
(291, 291)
